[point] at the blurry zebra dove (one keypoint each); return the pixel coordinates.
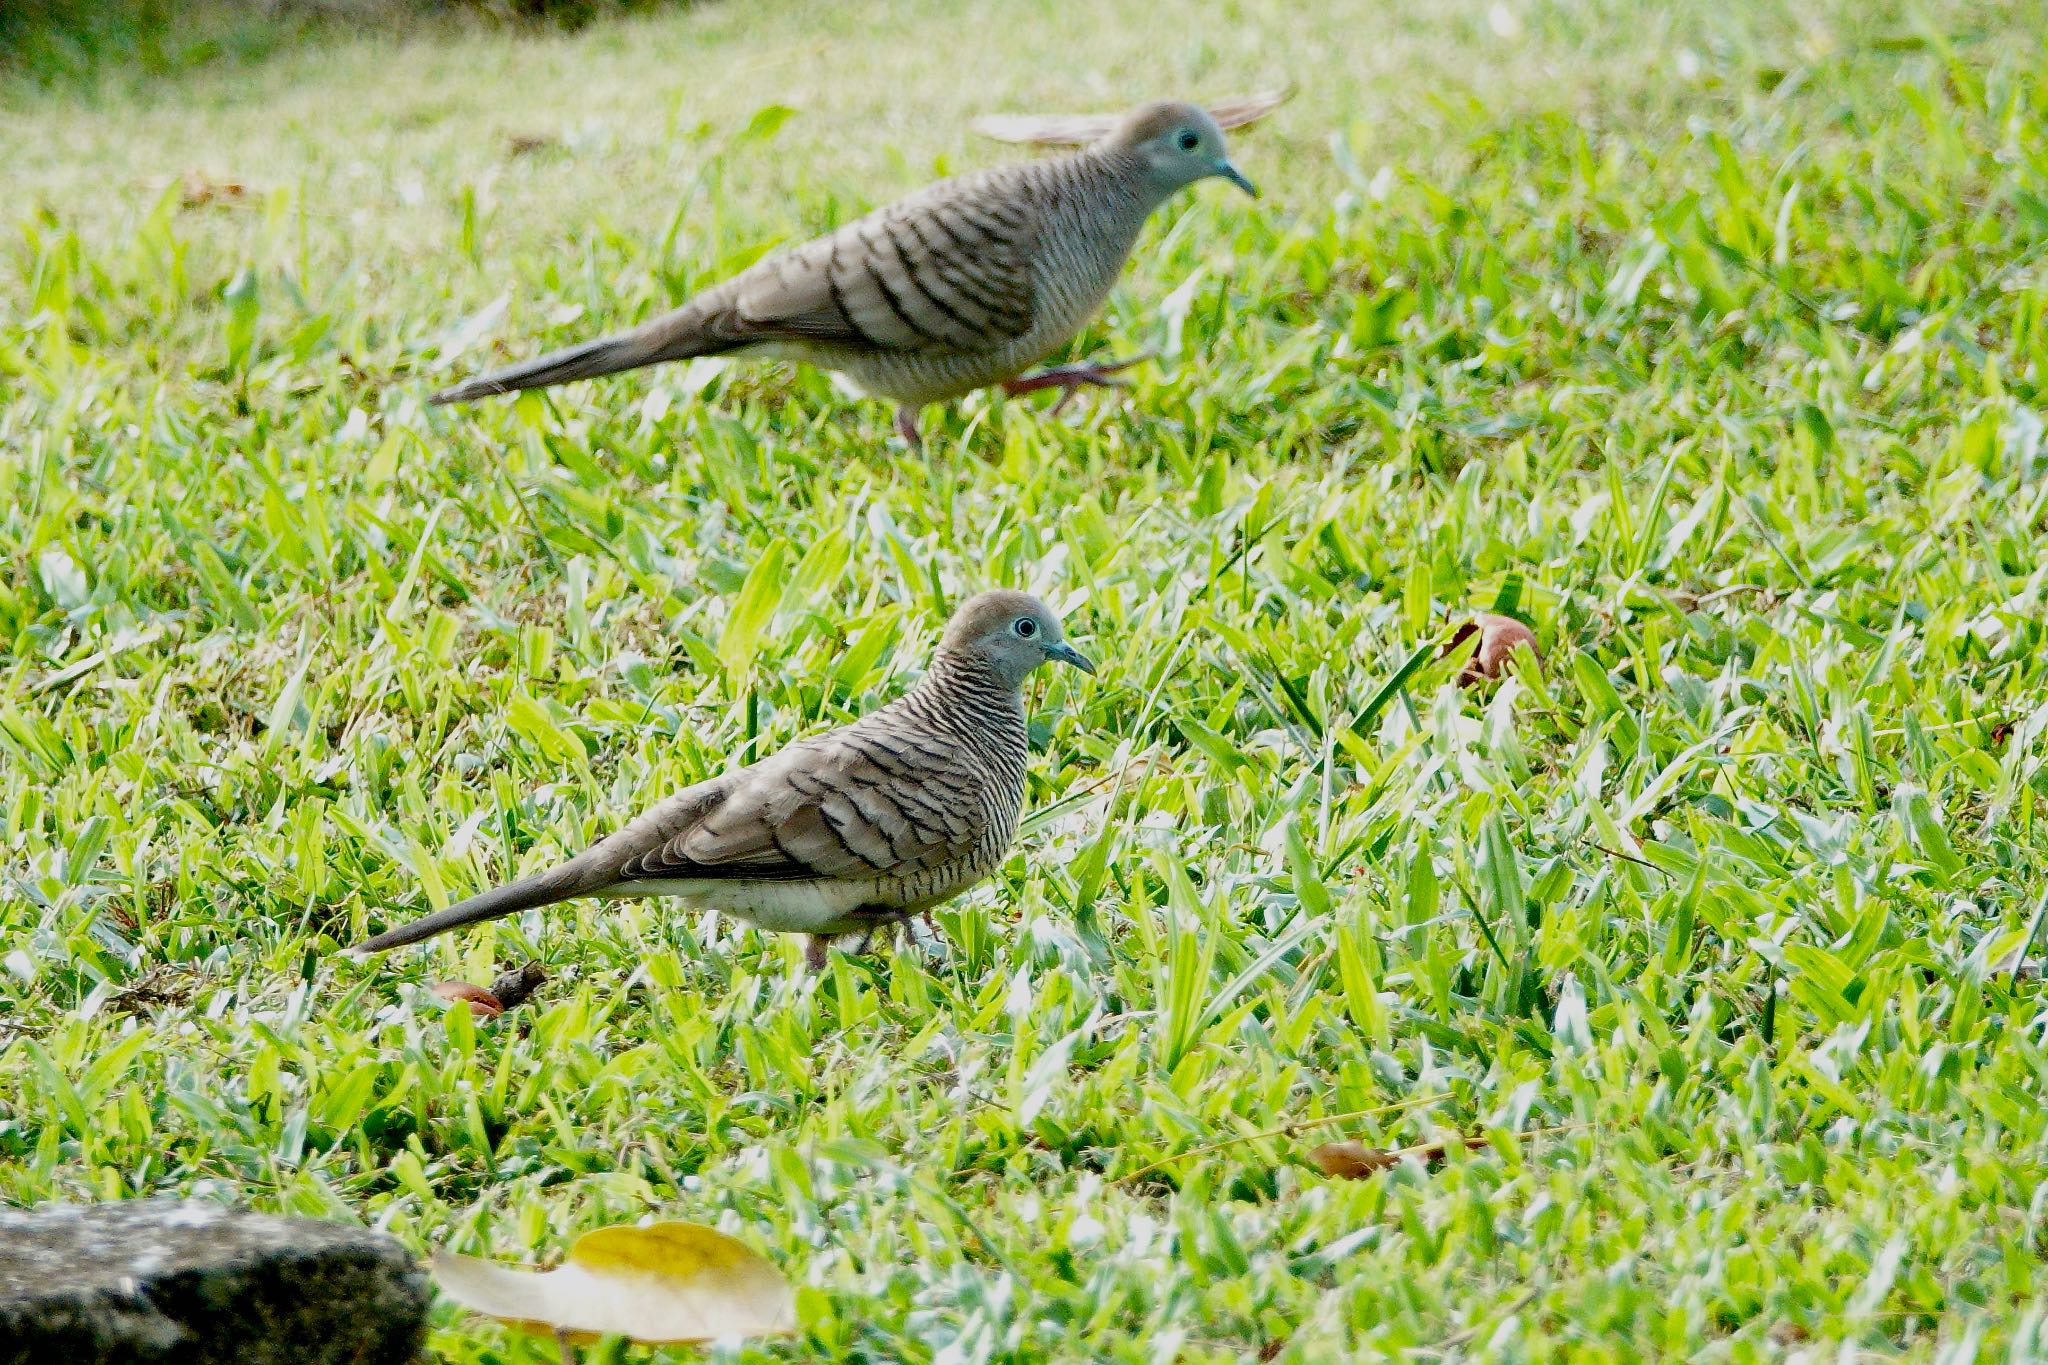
(962, 285)
(852, 830)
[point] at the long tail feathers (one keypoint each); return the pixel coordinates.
(543, 888)
(665, 338)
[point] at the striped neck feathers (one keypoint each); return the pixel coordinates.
(966, 693)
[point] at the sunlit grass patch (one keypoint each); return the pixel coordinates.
(1709, 343)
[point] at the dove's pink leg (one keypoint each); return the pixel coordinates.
(878, 920)
(906, 425)
(1071, 379)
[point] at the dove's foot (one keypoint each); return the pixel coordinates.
(858, 936)
(906, 426)
(1071, 379)
(880, 924)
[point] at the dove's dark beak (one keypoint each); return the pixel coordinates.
(1236, 177)
(1067, 654)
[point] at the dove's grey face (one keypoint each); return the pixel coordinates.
(1180, 144)
(1014, 632)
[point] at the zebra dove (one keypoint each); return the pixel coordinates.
(957, 287)
(854, 829)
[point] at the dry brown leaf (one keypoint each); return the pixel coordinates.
(1349, 1160)
(482, 1003)
(525, 144)
(1242, 109)
(1499, 637)
(198, 188)
(1287, 1130)
(165, 984)
(664, 1284)
(1078, 130)
(513, 988)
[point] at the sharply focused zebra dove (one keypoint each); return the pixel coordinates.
(854, 829)
(962, 285)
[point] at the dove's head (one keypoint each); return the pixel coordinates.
(1177, 144)
(1012, 633)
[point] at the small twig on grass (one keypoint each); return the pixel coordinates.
(540, 534)
(1044, 815)
(1465, 1334)
(2019, 955)
(1770, 538)
(1285, 1130)
(1626, 857)
(1991, 717)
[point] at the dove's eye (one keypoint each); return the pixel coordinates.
(1026, 627)
(1189, 139)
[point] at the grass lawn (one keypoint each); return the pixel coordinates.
(1709, 337)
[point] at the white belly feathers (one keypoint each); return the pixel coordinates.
(783, 908)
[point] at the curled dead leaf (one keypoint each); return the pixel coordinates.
(1350, 1160)
(1078, 130)
(664, 1284)
(1239, 110)
(196, 188)
(482, 1003)
(514, 987)
(166, 985)
(1499, 637)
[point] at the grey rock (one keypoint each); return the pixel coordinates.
(185, 1282)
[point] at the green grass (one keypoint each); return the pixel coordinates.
(1710, 339)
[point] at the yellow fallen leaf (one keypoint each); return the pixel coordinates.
(665, 1284)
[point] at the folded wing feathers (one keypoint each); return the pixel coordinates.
(954, 269)
(822, 810)
(949, 269)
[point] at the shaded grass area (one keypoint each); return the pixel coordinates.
(1710, 342)
(67, 43)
